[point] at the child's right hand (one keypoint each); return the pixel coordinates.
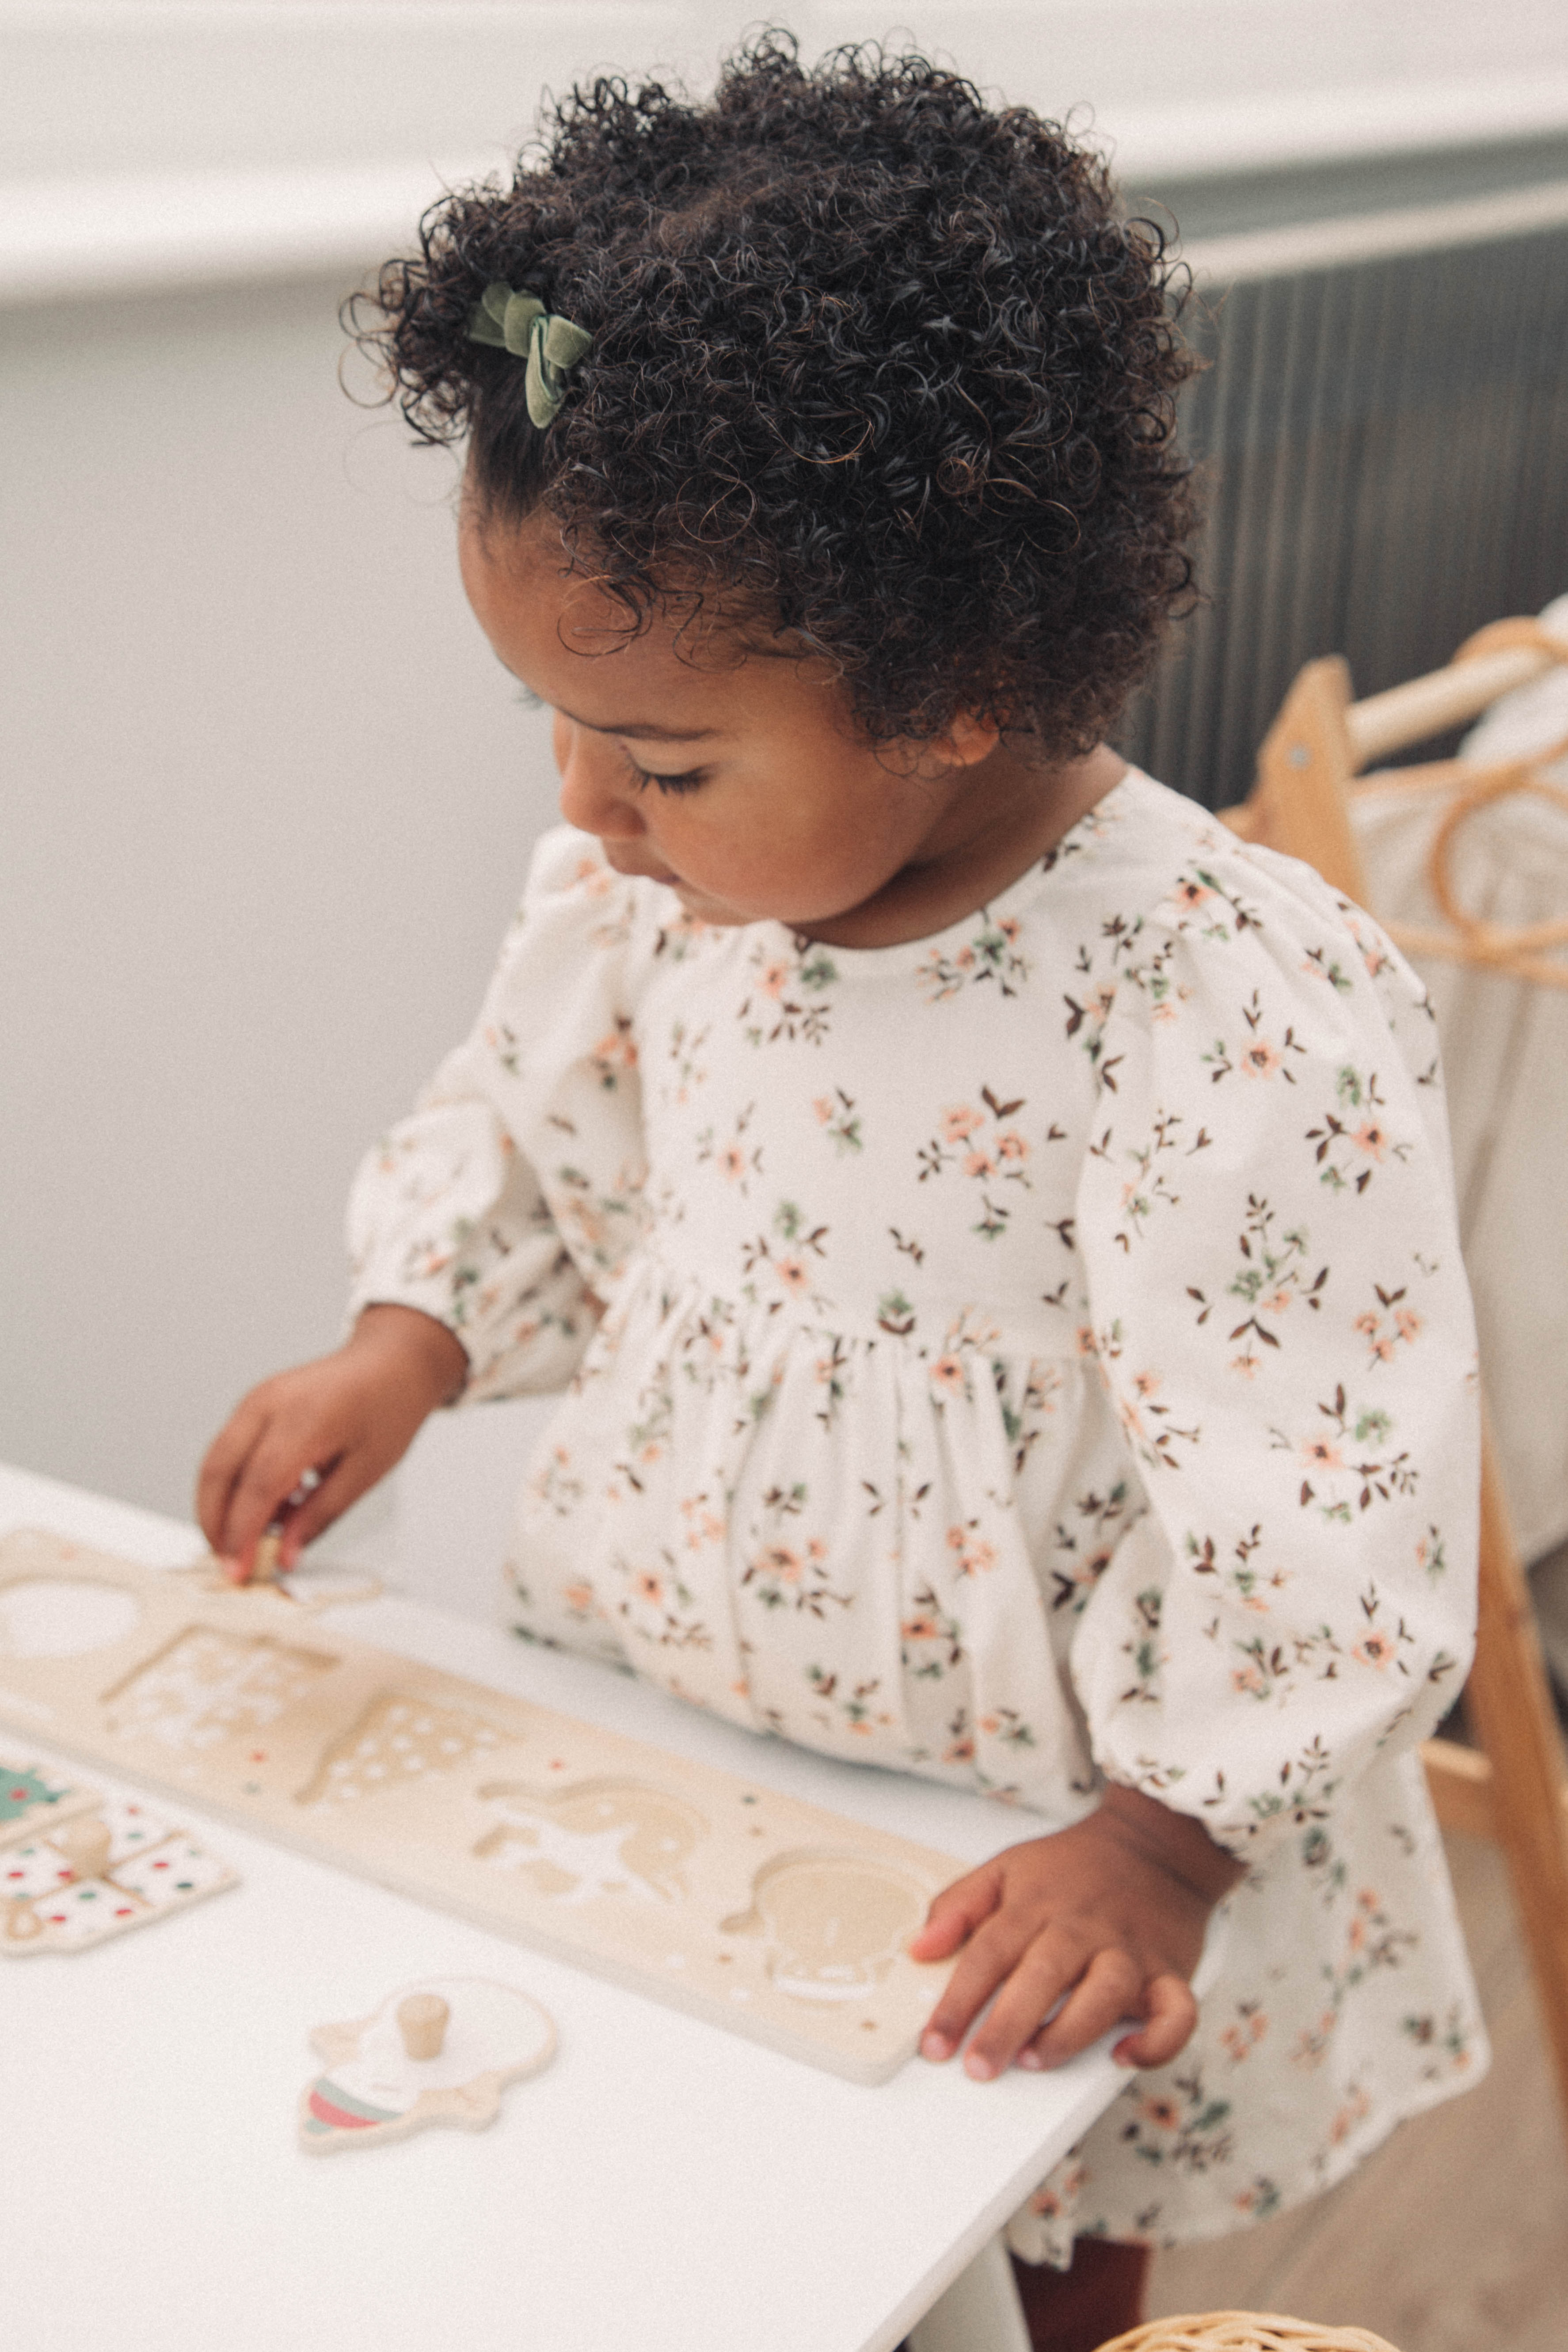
(347, 1417)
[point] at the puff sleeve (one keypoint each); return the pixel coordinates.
(514, 1189)
(1281, 1320)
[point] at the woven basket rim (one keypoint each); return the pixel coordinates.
(1244, 2331)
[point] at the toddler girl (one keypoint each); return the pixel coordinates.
(996, 1227)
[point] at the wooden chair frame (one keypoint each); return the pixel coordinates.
(1512, 1788)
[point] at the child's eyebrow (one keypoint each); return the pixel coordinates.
(644, 730)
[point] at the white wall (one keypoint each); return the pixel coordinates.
(267, 798)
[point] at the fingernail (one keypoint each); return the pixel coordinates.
(232, 1568)
(1031, 2062)
(935, 2045)
(978, 2069)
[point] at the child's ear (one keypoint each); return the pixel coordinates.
(967, 740)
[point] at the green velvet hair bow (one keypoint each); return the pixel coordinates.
(520, 324)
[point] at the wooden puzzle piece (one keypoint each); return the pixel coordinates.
(99, 1874)
(440, 2051)
(35, 1796)
(312, 1590)
(602, 1837)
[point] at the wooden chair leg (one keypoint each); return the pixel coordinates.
(1509, 1702)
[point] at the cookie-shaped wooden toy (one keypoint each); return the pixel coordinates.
(34, 1797)
(119, 1866)
(440, 2051)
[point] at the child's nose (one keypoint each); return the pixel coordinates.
(597, 791)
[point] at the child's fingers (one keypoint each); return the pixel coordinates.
(1171, 2013)
(1048, 1966)
(329, 1492)
(988, 1961)
(261, 1498)
(1110, 1989)
(956, 1913)
(226, 1459)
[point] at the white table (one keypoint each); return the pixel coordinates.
(663, 2187)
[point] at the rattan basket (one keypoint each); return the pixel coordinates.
(1244, 2331)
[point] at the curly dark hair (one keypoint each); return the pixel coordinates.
(878, 367)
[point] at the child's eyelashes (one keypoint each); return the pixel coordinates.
(687, 782)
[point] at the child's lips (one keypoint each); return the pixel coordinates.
(619, 863)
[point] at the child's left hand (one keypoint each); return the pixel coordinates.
(1107, 1918)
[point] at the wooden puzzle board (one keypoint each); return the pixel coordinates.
(752, 1910)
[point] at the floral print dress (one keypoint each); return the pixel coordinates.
(1028, 1356)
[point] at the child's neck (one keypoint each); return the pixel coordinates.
(1013, 813)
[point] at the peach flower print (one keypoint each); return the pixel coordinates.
(1241, 2040)
(1260, 1059)
(975, 1556)
(615, 1051)
(956, 1125)
(703, 1525)
(1051, 2201)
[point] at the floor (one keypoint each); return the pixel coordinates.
(1454, 2237)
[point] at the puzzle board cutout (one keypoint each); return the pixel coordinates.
(143, 1868)
(748, 1908)
(440, 2051)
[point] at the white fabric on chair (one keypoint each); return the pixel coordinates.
(1505, 1052)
